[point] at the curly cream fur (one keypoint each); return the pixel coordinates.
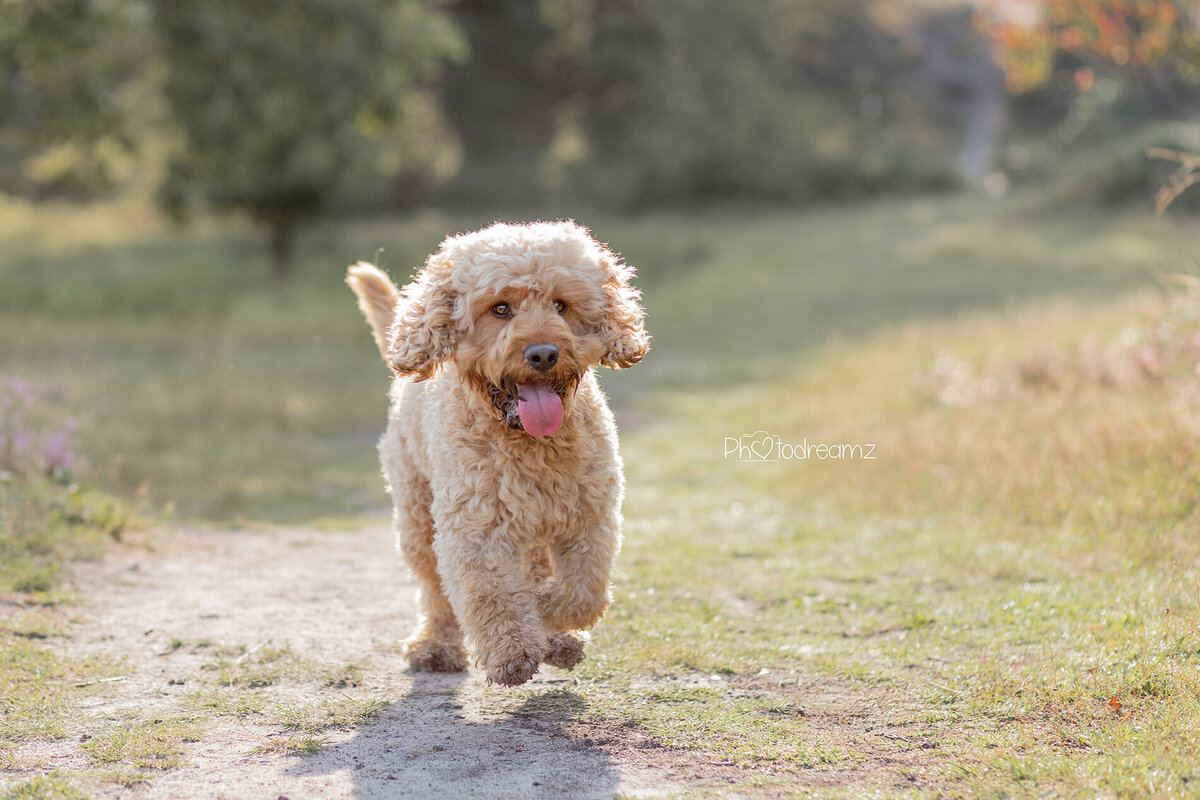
(511, 537)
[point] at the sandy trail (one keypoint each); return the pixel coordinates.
(339, 598)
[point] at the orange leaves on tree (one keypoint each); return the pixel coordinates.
(1127, 33)
(1071, 38)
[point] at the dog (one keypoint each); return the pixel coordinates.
(500, 452)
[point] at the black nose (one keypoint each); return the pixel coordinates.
(541, 356)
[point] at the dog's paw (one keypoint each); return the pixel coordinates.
(426, 655)
(517, 670)
(565, 650)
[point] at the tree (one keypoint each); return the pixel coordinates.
(643, 102)
(285, 107)
(695, 99)
(65, 66)
(1134, 34)
(503, 103)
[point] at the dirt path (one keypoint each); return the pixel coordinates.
(333, 599)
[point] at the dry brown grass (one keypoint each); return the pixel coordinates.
(1010, 584)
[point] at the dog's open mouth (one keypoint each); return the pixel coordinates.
(535, 407)
(539, 408)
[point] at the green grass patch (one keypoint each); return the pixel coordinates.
(748, 731)
(129, 777)
(294, 745)
(40, 689)
(255, 683)
(146, 745)
(37, 688)
(1009, 589)
(337, 713)
(210, 702)
(44, 524)
(54, 786)
(197, 376)
(258, 666)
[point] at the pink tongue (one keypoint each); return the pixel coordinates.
(540, 409)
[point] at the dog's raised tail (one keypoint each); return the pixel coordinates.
(377, 297)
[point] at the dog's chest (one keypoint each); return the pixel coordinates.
(541, 491)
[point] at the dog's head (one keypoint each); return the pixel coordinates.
(523, 311)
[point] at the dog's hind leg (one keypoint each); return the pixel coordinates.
(437, 644)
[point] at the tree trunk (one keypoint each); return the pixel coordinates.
(283, 241)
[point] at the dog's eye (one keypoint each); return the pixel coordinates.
(560, 306)
(502, 310)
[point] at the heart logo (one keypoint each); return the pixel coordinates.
(762, 445)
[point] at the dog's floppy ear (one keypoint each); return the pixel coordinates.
(423, 333)
(622, 324)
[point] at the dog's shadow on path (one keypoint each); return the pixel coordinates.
(427, 745)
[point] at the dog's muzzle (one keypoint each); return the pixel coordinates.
(506, 404)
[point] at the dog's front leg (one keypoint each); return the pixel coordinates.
(578, 595)
(494, 602)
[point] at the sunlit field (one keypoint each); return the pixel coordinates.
(222, 393)
(1001, 600)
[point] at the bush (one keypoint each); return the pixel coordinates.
(27, 448)
(46, 518)
(1120, 172)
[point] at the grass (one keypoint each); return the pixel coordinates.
(53, 786)
(341, 713)
(1013, 581)
(143, 746)
(44, 524)
(259, 401)
(252, 683)
(1003, 602)
(39, 688)
(253, 667)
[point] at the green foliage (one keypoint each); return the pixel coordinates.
(45, 518)
(1121, 171)
(63, 64)
(285, 111)
(504, 102)
(1141, 36)
(283, 107)
(43, 524)
(708, 97)
(643, 102)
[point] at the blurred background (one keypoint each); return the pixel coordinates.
(182, 185)
(289, 111)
